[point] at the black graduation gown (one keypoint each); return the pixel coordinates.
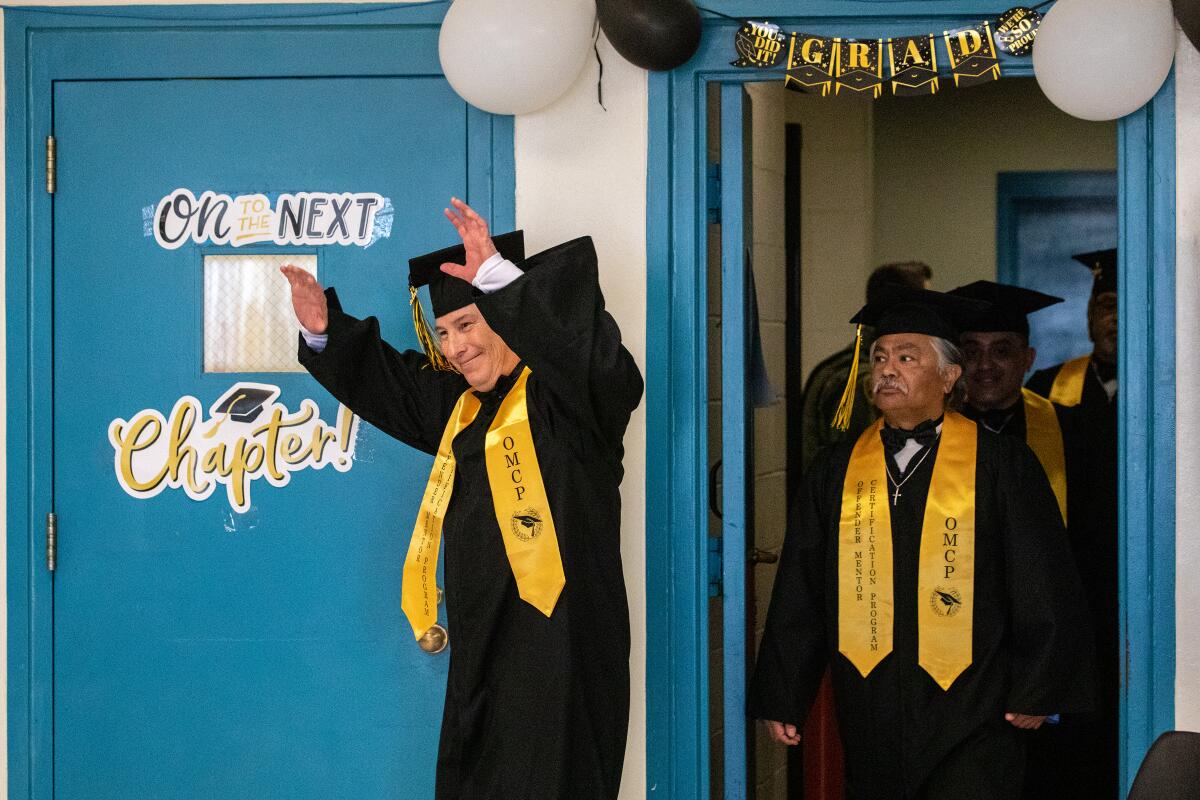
(1079, 758)
(536, 708)
(1093, 397)
(905, 737)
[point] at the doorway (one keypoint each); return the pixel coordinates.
(678, 490)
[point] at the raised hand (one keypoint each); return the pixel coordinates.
(473, 230)
(308, 299)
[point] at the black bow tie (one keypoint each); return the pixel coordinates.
(894, 438)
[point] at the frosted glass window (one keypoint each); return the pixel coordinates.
(249, 325)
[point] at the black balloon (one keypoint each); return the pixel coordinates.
(1187, 13)
(652, 34)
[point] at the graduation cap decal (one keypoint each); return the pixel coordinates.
(242, 403)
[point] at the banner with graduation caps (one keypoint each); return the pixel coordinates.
(859, 66)
(759, 44)
(912, 63)
(812, 63)
(973, 58)
(829, 64)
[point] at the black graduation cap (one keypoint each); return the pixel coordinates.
(905, 309)
(446, 292)
(1103, 264)
(243, 403)
(1010, 305)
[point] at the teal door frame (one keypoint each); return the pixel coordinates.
(677, 732)
(46, 45)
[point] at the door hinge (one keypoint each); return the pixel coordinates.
(716, 566)
(713, 187)
(51, 165)
(51, 541)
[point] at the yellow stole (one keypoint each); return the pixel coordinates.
(1044, 436)
(1067, 389)
(518, 498)
(946, 563)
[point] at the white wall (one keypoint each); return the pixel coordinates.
(580, 170)
(1187, 376)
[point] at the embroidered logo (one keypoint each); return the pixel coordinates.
(527, 524)
(946, 602)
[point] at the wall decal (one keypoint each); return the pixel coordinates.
(303, 218)
(247, 435)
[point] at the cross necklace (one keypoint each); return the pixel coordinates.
(911, 472)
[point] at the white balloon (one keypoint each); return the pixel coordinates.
(1103, 59)
(515, 56)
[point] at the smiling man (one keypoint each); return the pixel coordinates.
(522, 395)
(996, 356)
(1080, 758)
(928, 564)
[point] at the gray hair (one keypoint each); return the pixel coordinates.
(949, 354)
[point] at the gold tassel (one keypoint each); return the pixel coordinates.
(425, 335)
(841, 420)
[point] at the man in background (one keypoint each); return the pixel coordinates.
(1079, 759)
(823, 390)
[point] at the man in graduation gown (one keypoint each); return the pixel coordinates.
(823, 389)
(1089, 380)
(1081, 757)
(928, 561)
(537, 696)
(996, 356)
(1076, 758)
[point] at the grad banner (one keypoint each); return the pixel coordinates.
(759, 44)
(859, 66)
(812, 63)
(913, 65)
(973, 58)
(828, 64)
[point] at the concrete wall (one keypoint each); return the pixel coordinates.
(940, 208)
(769, 257)
(837, 176)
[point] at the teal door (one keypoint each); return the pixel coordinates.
(226, 613)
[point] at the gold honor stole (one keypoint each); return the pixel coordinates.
(518, 498)
(946, 566)
(1067, 389)
(1044, 436)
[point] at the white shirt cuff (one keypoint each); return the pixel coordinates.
(495, 273)
(315, 341)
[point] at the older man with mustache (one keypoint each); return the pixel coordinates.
(927, 563)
